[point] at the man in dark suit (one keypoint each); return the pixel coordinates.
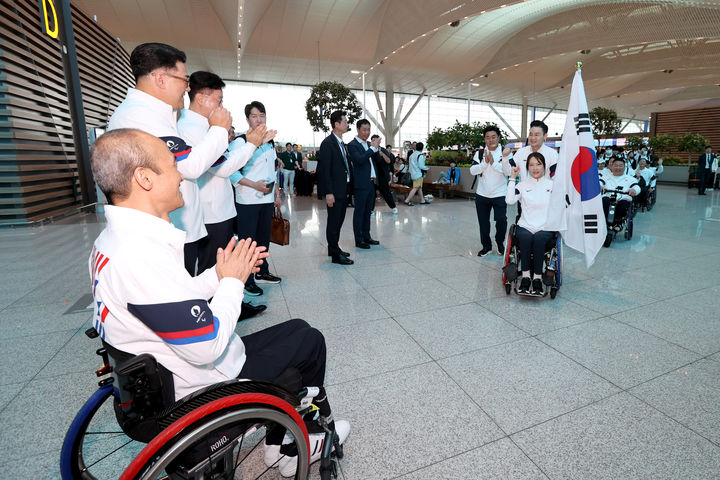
(704, 169)
(333, 175)
(364, 177)
(383, 162)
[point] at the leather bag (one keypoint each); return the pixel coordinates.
(279, 229)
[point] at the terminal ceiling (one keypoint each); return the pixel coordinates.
(638, 56)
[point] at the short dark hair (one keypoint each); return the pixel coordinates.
(362, 122)
(115, 156)
(336, 117)
(539, 124)
(492, 128)
(373, 137)
(147, 57)
(615, 158)
(295, 144)
(419, 146)
(290, 144)
(254, 104)
(537, 155)
(388, 146)
(201, 80)
(708, 146)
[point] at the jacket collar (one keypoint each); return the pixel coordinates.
(135, 222)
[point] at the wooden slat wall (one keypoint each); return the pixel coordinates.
(38, 163)
(705, 121)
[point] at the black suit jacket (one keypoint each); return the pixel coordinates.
(382, 168)
(701, 162)
(331, 171)
(361, 159)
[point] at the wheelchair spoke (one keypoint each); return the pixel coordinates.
(249, 453)
(105, 433)
(109, 454)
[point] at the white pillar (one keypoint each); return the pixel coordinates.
(469, 85)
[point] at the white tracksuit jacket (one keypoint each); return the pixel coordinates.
(146, 302)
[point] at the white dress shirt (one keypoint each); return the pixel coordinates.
(374, 149)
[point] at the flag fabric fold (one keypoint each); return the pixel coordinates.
(576, 203)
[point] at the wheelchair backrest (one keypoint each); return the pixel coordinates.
(143, 389)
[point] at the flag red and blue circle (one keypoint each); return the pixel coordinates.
(584, 174)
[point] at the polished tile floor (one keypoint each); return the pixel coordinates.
(440, 373)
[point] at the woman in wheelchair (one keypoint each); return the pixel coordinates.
(534, 195)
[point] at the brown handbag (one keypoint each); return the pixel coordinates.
(279, 229)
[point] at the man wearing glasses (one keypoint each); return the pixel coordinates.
(161, 82)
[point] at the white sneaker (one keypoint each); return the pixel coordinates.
(395, 210)
(272, 452)
(272, 455)
(288, 465)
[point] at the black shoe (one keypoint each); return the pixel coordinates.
(267, 278)
(343, 253)
(362, 245)
(501, 249)
(249, 310)
(341, 260)
(484, 252)
(524, 285)
(372, 242)
(253, 290)
(537, 286)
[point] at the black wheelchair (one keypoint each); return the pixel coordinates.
(552, 266)
(211, 434)
(618, 223)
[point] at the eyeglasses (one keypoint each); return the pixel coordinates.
(185, 79)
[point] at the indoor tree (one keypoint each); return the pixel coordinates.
(325, 98)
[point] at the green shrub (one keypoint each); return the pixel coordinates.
(673, 160)
(444, 157)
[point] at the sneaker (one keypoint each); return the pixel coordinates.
(253, 290)
(272, 453)
(524, 285)
(288, 464)
(267, 278)
(501, 249)
(484, 252)
(537, 286)
(395, 210)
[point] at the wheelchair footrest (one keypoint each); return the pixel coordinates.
(548, 278)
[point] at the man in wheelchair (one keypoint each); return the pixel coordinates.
(619, 181)
(534, 194)
(147, 303)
